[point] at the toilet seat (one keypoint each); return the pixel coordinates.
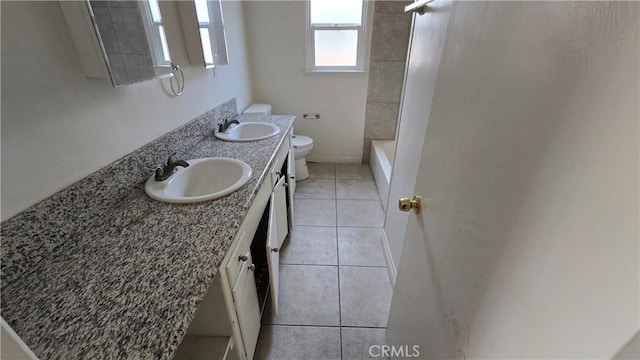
(301, 141)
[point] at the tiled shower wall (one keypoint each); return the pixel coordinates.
(390, 36)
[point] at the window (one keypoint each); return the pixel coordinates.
(336, 35)
(152, 20)
(212, 35)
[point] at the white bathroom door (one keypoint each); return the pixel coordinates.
(511, 196)
(465, 175)
(412, 320)
(425, 49)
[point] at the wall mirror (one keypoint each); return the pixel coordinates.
(121, 40)
(203, 29)
(133, 40)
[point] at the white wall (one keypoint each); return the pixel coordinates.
(566, 284)
(58, 126)
(277, 38)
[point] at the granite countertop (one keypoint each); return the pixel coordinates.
(123, 281)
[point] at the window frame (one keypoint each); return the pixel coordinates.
(361, 42)
(209, 27)
(217, 34)
(155, 33)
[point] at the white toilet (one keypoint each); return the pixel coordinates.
(301, 147)
(301, 144)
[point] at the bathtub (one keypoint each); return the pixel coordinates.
(381, 161)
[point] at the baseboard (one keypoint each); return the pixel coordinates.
(339, 159)
(391, 268)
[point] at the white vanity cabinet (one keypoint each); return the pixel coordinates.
(227, 323)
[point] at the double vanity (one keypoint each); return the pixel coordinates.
(101, 270)
(228, 320)
(227, 323)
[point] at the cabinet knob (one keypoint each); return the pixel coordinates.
(243, 258)
(252, 267)
(275, 250)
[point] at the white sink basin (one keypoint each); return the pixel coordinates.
(248, 131)
(204, 179)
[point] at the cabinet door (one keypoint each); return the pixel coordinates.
(273, 255)
(234, 265)
(280, 204)
(245, 298)
(291, 175)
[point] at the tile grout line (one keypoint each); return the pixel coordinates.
(319, 198)
(339, 264)
(307, 325)
(334, 265)
(350, 226)
(336, 227)
(327, 326)
(308, 225)
(364, 327)
(335, 189)
(365, 266)
(322, 265)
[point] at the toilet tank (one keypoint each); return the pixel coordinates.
(258, 109)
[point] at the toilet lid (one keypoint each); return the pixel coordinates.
(302, 141)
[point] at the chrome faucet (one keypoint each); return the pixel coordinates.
(222, 127)
(165, 172)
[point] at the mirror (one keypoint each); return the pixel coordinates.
(203, 29)
(132, 38)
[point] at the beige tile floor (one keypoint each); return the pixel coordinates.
(334, 290)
